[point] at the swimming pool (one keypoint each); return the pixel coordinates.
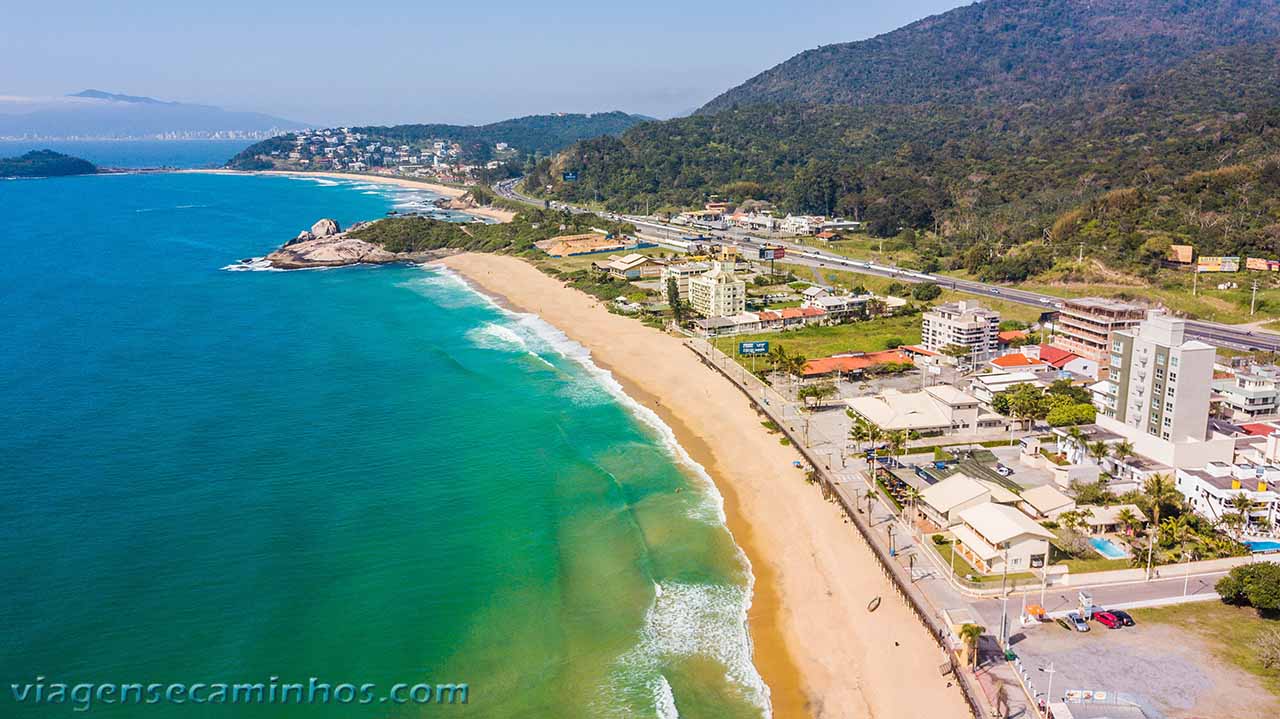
(1263, 546)
(1107, 548)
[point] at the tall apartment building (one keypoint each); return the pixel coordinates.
(962, 323)
(682, 273)
(1085, 325)
(718, 293)
(1160, 382)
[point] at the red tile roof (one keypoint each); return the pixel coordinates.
(767, 316)
(1011, 335)
(851, 363)
(918, 350)
(1056, 356)
(793, 312)
(1258, 429)
(1017, 359)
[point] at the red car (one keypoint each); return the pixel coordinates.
(1108, 620)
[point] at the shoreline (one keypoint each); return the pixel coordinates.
(493, 213)
(815, 645)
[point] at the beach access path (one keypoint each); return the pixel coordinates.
(816, 645)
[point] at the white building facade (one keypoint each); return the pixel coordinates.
(718, 293)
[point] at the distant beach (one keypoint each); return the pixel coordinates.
(820, 651)
(493, 213)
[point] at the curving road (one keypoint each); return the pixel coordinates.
(668, 235)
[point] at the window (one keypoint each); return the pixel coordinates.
(1160, 359)
(1168, 406)
(1173, 361)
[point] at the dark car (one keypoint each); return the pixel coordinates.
(1124, 617)
(1108, 620)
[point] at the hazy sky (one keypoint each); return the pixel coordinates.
(386, 62)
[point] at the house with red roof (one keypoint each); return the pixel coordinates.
(853, 363)
(1068, 361)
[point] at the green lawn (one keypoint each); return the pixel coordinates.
(963, 568)
(1230, 631)
(1080, 566)
(814, 341)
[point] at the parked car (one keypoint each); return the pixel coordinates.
(1108, 620)
(1078, 622)
(1124, 617)
(1003, 470)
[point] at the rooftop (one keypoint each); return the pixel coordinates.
(998, 523)
(1017, 359)
(1047, 498)
(953, 492)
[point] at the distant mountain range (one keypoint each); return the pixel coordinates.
(94, 114)
(1008, 129)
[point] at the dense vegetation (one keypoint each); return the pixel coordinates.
(419, 234)
(1000, 189)
(1009, 51)
(530, 136)
(44, 163)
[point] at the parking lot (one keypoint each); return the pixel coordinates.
(1170, 673)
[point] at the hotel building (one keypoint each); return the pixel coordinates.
(718, 293)
(962, 323)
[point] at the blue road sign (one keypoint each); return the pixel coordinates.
(753, 348)
(570, 176)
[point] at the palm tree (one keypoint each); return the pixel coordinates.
(970, 634)
(897, 443)
(874, 436)
(859, 432)
(912, 497)
(1122, 451)
(1077, 437)
(1072, 519)
(1099, 451)
(1130, 520)
(1243, 505)
(1158, 490)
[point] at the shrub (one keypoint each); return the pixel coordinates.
(1257, 585)
(939, 540)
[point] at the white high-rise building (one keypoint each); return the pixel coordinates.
(718, 293)
(962, 323)
(1157, 394)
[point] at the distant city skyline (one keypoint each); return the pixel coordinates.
(399, 62)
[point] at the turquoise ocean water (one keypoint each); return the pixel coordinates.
(365, 475)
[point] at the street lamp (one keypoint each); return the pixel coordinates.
(1004, 601)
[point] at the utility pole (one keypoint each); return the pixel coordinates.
(1253, 298)
(1195, 280)
(1048, 695)
(1080, 253)
(1004, 602)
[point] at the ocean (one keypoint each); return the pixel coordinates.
(361, 476)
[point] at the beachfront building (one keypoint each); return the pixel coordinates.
(1085, 325)
(943, 502)
(682, 273)
(995, 536)
(854, 364)
(965, 324)
(718, 293)
(1212, 490)
(1046, 501)
(1157, 395)
(941, 409)
(631, 267)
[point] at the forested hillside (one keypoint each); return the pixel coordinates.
(1187, 153)
(1010, 51)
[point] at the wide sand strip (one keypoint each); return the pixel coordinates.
(493, 213)
(820, 651)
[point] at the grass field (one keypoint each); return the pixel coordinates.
(814, 342)
(1230, 631)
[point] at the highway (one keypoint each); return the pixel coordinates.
(667, 235)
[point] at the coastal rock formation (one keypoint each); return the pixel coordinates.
(325, 245)
(325, 228)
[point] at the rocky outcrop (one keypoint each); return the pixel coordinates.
(325, 245)
(325, 228)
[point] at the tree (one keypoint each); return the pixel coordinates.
(673, 299)
(926, 291)
(1257, 585)
(897, 443)
(1158, 491)
(970, 636)
(1242, 505)
(1130, 520)
(860, 431)
(1122, 452)
(817, 392)
(1099, 451)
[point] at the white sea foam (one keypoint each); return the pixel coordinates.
(684, 619)
(665, 699)
(254, 264)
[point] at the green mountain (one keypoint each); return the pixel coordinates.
(1127, 161)
(44, 163)
(1010, 51)
(527, 136)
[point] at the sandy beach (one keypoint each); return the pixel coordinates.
(493, 213)
(820, 651)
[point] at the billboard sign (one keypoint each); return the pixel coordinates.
(753, 348)
(570, 176)
(770, 252)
